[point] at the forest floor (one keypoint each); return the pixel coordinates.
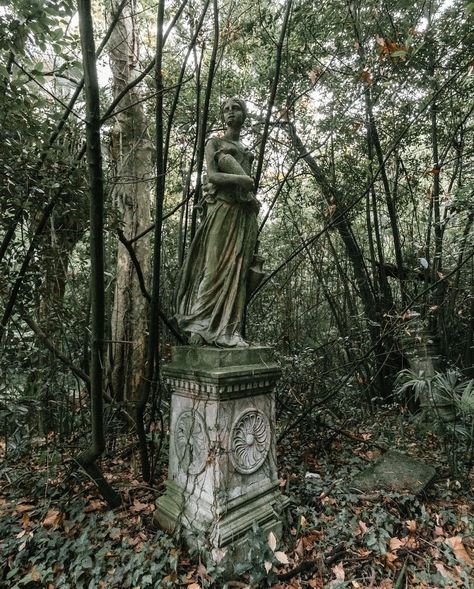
(56, 532)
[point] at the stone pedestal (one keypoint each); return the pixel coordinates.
(222, 466)
(421, 349)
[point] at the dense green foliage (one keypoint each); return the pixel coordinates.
(366, 226)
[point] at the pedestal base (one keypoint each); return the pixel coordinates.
(222, 471)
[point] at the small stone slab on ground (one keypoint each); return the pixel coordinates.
(395, 471)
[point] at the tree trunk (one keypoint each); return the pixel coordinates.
(66, 230)
(202, 126)
(131, 153)
(152, 376)
(94, 160)
(386, 363)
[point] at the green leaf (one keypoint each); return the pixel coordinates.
(87, 563)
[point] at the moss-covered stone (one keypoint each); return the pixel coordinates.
(395, 471)
(202, 357)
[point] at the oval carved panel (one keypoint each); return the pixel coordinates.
(249, 441)
(191, 442)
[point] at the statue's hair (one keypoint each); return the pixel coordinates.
(239, 101)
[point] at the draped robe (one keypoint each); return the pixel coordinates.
(212, 283)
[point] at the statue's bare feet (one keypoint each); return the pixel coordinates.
(196, 340)
(236, 341)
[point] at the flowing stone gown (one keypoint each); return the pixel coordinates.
(212, 284)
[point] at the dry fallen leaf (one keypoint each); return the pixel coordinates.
(218, 554)
(366, 77)
(411, 543)
(22, 507)
(194, 586)
(35, 574)
(281, 557)
(362, 527)
(53, 519)
(314, 74)
(309, 541)
(459, 550)
(339, 572)
(395, 544)
(272, 541)
(443, 571)
(94, 505)
(25, 521)
(299, 549)
(202, 572)
(411, 525)
(268, 566)
(390, 558)
(138, 506)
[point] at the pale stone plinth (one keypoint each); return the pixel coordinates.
(222, 467)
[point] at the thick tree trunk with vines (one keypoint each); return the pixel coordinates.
(151, 382)
(131, 153)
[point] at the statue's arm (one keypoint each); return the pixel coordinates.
(225, 179)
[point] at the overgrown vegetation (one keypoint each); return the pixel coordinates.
(55, 528)
(361, 119)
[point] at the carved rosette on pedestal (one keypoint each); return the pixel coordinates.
(191, 442)
(222, 469)
(249, 441)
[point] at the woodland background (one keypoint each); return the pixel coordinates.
(361, 119)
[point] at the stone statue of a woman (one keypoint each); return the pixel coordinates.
(213, 282)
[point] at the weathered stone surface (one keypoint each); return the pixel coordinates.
(198, 358)
(422, 351)
(216, 373)
(395, 471)
(221, 268)
(222, 466)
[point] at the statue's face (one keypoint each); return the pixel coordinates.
(233, 114)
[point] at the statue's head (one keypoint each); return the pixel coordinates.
(233, 111)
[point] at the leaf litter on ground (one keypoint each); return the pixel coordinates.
(66, 535)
